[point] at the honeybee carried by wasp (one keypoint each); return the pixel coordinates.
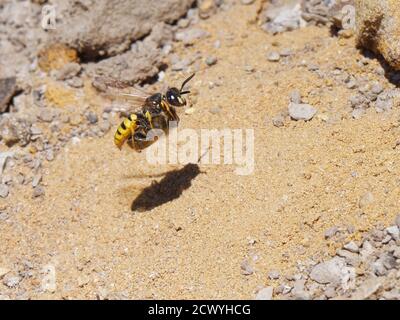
(155, 111)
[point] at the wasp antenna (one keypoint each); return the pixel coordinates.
(186, 81)
(185, 92)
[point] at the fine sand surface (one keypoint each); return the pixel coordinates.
(200, 224)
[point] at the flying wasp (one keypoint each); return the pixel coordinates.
(156, 111)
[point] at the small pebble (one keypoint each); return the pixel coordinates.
(4, 190)
(298, 111)
(265, 294)
(331, 232)
(38, 191)
(397, 221)
(248, 68)
(352, 247)
(92, 117)
(274, 56)
(274, 274)
(36, 180)
(210, 61)
(295, 96)
(247, 269)
(247, 2)
(12, 281)
(278, 121)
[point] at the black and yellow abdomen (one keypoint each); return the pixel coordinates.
(125, 130)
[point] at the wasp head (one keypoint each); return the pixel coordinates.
(174, 95)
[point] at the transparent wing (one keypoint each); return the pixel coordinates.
(120, 90)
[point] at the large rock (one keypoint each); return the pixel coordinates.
(108, 27)
(378, 28)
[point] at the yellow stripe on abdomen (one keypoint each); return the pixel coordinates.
(125, 130)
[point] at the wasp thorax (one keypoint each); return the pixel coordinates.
(174, 97)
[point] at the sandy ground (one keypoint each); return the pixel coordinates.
(308, 177)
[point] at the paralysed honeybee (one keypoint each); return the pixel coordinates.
(156, 111)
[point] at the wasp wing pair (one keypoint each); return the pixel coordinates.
(155, 111)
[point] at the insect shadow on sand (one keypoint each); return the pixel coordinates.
(169, 188)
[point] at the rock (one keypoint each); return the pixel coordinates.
(75, 82)
(376, 88)
(92, 117)
(351, 258)
(367, 289)
(332, 271)
(248, 68)
(295, 96)
(246, 2)
(352, 247)
(274, 274)
(8, 88)
(50, 155)
(378, 268)
(38, 191)
(11, 281)
(104, 126)
(68, 71)
(4, 156)
(330, 292)
(46, 115)
(298, 291)
(394, 232)
(331, 232)
(281, 16)
(265, 294)
(273, 56)
(36, 180)
(357, 113)
(109, 27)
(188, 37)
(138, 64)
(365, 200)
(4, 190)
(397, 221)
(378, 28)
(301, 111)
(278, 121)
(210, 61)
(206, 8)
(13, 130)
(247, 269)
